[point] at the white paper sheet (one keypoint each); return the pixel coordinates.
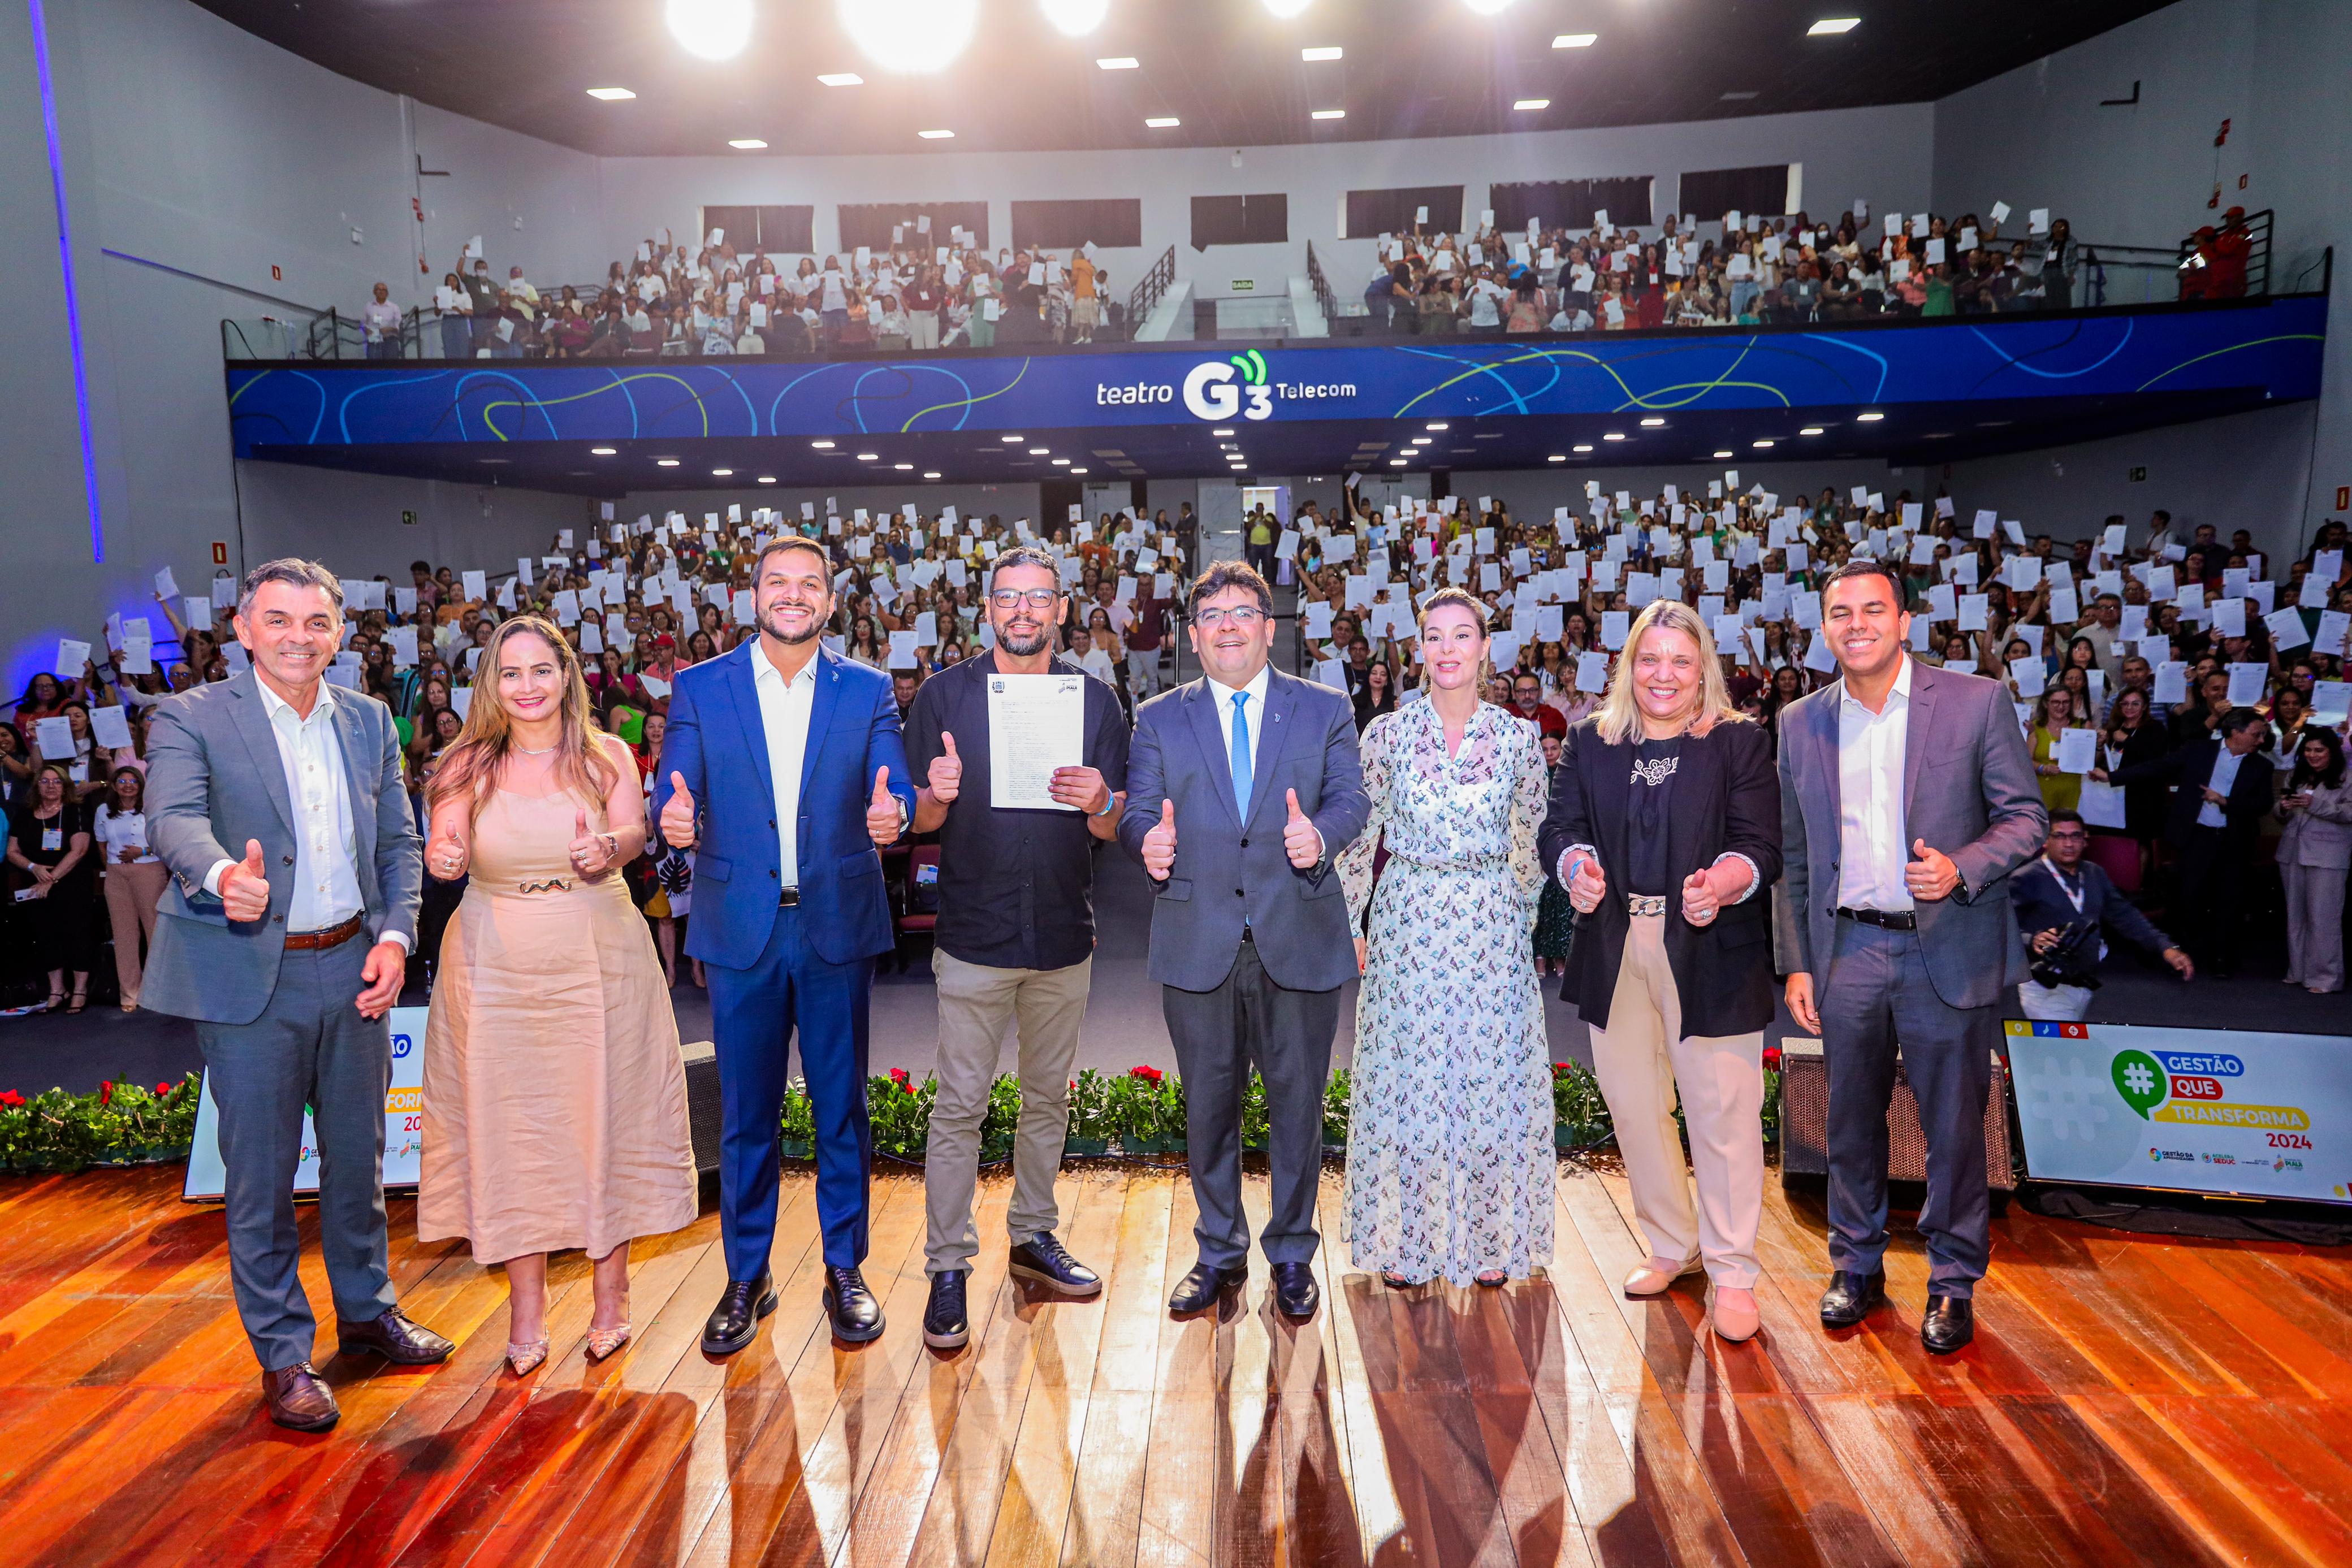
(1036, 725)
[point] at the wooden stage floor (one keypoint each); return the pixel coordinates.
(2127, 1400)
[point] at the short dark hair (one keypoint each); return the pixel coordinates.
(1868, 566)
(792, 541)
(1228, 574)
(2238, 719)
(423, 566)
(2062, 814)
(1024, 555)
(295, 572)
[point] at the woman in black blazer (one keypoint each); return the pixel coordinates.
(1664, 826)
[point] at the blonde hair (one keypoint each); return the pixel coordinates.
(470, 767)
(1620, 718)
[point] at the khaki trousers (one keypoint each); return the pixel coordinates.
(976, 1003)
(1641, 1058)
(133, 893)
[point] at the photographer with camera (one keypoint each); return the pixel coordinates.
(2064, 903)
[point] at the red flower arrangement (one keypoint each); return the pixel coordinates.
(1771, 1059)
(106, 1092)
(1151, 1075)
(10, 1099)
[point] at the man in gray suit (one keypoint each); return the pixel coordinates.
(1907, 797)
(275, 772)
(1240, 786)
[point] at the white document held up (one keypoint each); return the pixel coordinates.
(1036, 725)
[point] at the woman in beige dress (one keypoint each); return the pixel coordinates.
(554, 1096)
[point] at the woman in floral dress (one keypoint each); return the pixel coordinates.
(1450, 1162)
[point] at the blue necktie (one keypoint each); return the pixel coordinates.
(1241, 757)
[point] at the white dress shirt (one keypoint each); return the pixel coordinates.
(1872, 849)
(1253, 718)
(2224, 779)
(326, 891)
(785, 708)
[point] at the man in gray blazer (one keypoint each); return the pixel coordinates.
(1241, 787)
(1907, 797)
(276, 803)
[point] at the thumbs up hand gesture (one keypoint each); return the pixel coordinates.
(678, 815)
(1159, 843)
(1930, 874)
(1699, 903)
(1300, 841)
(244, 890)
(946, 779)
(592, 853)
(884, 820)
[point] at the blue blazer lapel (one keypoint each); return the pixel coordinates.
(1202, 703)
(739, 681)
(827, 670)
(252, 718)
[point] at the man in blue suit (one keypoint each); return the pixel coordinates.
(1257, 773)
(783, 769)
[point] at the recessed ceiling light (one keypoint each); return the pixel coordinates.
(904, 467)
(1652, 422)
(1811, 429)
(1487, 7)
(1586, 446)
(935, 135)
(869, 456)
(1529, 103)
(1556, 457)
(841, 78)
(1871, 417)
(1321, 52)
(1575, 40)
(1286, 9)
(1077, 470)
(1422, 440)
(822, 445)
(1759, 445)
(1615, 435)
(1725, 453)
(748, 145)
(1830, 25)
(1437, 425)
(1162, 122)
(1039, 451)
(602, 451)
(1735, 97)
(722, 473)
(1061, 462)
(610, 94)
(1120, 63)
(931, 473)
(1396, 462)
(1012, 438)
(1329, 114)
(665, 462)
(767, 478)
(1222, 430)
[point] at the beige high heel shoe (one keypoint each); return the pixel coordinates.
(1649, 1280)
(603, 1343)
(524, 1358)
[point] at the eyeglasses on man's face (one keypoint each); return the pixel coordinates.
(1245, 617)
(1013, 598)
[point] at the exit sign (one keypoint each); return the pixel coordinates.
(408, 519)
(2139, 476)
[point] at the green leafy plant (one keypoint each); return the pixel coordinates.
(1092, 1124)
(800, 1121)
(1579, 1111)
(1336, 1096)
(1003, 1118)
(1256, 1123)
(1147, 1106)
(900, 1112)
(122, 1123)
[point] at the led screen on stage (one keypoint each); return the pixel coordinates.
(403, 1119)
(2243, 1111)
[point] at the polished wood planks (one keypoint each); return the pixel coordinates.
(2128, 1400)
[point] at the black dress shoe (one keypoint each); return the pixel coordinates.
(1851, 1298)
(945, 1326)
(393, 1336)
(1295, 1290)
(736, 1319)
(298, 1398)
(1950, 1323)
(1199, 1291)
(1047, 1261)
(856, 1315)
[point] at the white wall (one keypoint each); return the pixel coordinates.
(1880, 154)
(352, 521)
(1007, 501)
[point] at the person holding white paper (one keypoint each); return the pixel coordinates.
(49, 842)
(2054, 712)
(2222, 792)
(1015, 932)
(134, 876)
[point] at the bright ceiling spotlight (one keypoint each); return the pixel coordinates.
(1162, 122)
(1286, 9)
(1074, 18)
(1321, 52)
(748, 145)
(1829, 27)
(612, 94)
(932, 474)
(1871, 418)
(1526, 104)
(1118, 63)
(1328, 114)
(1575, 40)
(1487, 7)
(1584, 446)
(913, 36)
(1725, 453)
(709, 29)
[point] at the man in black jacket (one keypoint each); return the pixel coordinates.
(2220, 792)
(2064, 903)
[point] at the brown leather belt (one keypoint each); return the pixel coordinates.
(319, 941)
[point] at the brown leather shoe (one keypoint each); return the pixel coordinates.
(392, 1336)
(300, 1399)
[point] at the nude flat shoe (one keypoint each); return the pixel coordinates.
(1650, 1280)
(1734, 1320)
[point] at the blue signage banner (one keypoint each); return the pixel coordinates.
(2274, 346)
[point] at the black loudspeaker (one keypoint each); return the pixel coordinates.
(702, 1102)
(1805, 1116)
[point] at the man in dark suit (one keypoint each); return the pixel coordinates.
(783, 768)
(1906, 798)
(1254, 775)
(2222, 791)
(278, 804)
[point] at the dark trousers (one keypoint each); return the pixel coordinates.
(1875, 996)
(754, 1013)
(1219, 1035)
(309, 1047)
(2209, 895)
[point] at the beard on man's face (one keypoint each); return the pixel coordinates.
(773, 624)
(1023, 639)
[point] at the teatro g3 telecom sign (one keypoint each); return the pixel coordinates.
(2271, 351)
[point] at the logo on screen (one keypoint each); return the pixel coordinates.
(1209, 392)
(401, 1046)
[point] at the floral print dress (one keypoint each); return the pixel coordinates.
(1450, 1159)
